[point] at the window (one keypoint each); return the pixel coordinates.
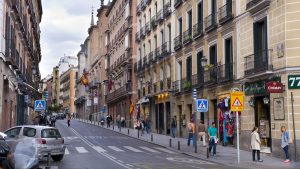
(200, 13)
(190, 22)
(29, 132)
(149, 15)
(180, 26)
(199, 66)
(189, 68)
(50, 133)
(161, 37)
(213, 55)
(260, 32)
(13, 133)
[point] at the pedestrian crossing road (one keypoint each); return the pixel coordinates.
(120, 149)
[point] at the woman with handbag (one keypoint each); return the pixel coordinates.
(255, 144)
(285, 139)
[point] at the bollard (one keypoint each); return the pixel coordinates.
(138, 133)
(170, 142)
(151, 137)
(178, 145)
(128, 131)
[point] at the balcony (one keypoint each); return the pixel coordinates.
(160, 16)
(225, 72)
(161, 85)
(153, 22)
(137, 37)
(154, 87)
(178, 42)
(197, 80)
(258, 62)
(225, 13)
(157, 53)
(177, 86)
(142, 33)
(139, 9)
(198, 30)
(254, 6)
(150, 58)
(120, 93)
(140, 66)
(177, 3)
(167, 10)
(210, 75)
(186, 84)
(211, 22)
(169, 83)
(143, 5)
(187, 36)
(147, 28)
(166, 49)
(145, 61)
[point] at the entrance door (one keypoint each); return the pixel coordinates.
(161, 118)
(168, 114)
(263, 122)
(180, 119)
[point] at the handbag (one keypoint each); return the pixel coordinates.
(290, 141)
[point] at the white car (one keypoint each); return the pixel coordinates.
(48, 139)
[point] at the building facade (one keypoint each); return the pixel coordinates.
(154, 66)
(20, 57)
(67, 90)
(120, 57)
(55, 86)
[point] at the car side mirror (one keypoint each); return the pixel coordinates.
(3, 135)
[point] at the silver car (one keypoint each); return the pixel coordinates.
(48, 139)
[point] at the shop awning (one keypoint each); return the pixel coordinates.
(143, 100)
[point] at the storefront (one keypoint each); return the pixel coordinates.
(163, 113)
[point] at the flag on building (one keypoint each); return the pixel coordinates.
(84, 78)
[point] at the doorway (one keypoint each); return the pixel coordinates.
(180, 120)
(168, 114)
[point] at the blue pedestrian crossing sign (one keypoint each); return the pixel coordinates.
(202, 105)
(39, 105)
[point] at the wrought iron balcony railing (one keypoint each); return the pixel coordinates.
(145, 61)
(119, 93)
(258, 62)
(211, 75)
(137, 37)
(187, 36)
(225, 13)
(225, 72)
(139, 9)
(161, 84)
(254, 6)
(167, 9)
(142, 32)
(169, 83)
(198, 30)
(177, 3)
(211, 22)
(150, 57)
(143, 5)
(153, 22)
(147, 28)
(178, 42)
(157, 53)
(160, 16)
(166, 49)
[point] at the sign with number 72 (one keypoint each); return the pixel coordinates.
(294, 81)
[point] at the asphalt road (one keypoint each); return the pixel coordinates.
(92, 147)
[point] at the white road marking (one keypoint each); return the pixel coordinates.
(121, 161)
(133, 149)
(149, 149)
(165, 150)
(130, 165)
(67, 152)
(115, 148)
(81, 150)
(99, 149)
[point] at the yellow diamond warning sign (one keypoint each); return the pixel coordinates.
(237, 101)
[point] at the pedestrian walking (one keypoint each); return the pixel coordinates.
(69, 119)
(142, 125)
(53, 120)
(213, 139)
(108, 120)
(173, 126)
(255, 144)
(202, 132)
(148, 125)
(119, 121)
(191, 131)
(285, 143)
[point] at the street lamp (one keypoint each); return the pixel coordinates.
(203, 61)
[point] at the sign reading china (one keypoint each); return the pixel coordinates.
(274, 87)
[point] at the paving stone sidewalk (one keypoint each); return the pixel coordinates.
(225, 154)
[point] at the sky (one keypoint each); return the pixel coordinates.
(64, 27)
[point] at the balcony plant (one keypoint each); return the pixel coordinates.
(187, 85)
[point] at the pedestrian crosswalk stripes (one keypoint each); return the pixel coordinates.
(67, 151)
(81, 150)
(99, 149)
(149, 149)
(120, 149)
(115, 148)
(133, 149)
(165, 150)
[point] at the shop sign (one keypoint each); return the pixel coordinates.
(294, 81)
(255, 88)
(237, 101)
(274, 87)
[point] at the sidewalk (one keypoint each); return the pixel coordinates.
(225, 155)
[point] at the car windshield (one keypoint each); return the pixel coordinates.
(50, 133)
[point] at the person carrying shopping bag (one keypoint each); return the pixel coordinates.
(255, 144)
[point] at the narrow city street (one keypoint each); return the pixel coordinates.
(92, 147)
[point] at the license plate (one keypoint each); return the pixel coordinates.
(55, 151)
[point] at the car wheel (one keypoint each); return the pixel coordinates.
(57, 157)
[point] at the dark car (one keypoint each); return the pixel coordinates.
(4, 152)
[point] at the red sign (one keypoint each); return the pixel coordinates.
(274, 87)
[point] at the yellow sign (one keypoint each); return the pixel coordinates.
(237, 101)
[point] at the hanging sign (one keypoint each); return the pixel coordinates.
(274, 87)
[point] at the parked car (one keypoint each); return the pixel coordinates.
(4, 152)
(49, 139)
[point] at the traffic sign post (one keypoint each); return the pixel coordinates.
(237, 104)
(202, 105)
(39, 105)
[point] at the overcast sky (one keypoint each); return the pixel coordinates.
(63, 28)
